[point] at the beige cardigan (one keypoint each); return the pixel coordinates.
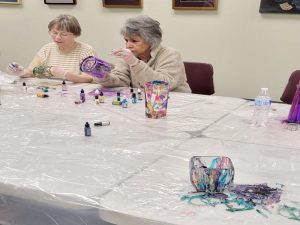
(165, 64)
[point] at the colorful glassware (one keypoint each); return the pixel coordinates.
(211, 173)
(156, 98)
(42, 71)
(95, 67)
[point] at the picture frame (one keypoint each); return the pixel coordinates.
(122, 3)
(13, 2)
(195, 4)
(279, 6)
(61, 2)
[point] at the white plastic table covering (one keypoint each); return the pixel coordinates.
(153, 196)
(259, 154)
(45, 157)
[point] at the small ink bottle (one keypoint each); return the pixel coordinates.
(139, 93)
(96, 92)
(131, 91)
(87, 129)
(125, 102)
(118, 96)
(97, 99)
(64, 86)
(101, 97)
(133, 97)
(24, 87)
(82, 96)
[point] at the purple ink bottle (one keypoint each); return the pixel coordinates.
(87, 130)
(82, 96)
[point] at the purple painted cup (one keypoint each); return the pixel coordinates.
(95, 67)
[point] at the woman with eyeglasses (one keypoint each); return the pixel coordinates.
(63, 56)
(144, 58)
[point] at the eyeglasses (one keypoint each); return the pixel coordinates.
(54, 33)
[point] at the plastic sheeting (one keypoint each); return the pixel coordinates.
(135, 170)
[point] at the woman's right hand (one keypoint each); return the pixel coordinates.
(15, 69)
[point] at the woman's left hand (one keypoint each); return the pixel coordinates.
(126, 55)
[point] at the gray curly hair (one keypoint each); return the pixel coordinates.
(145, 27)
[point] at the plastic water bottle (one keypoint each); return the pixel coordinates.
(262, 107)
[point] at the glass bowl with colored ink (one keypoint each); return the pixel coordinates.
(212, 174)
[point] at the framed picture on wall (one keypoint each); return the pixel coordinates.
(10, 2)
(65, 2)
(122, 3)
(195, 4)
(279, 6)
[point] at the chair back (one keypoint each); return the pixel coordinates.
(200, 77)
(291, 87)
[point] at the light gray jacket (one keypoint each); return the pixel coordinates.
(165, 64)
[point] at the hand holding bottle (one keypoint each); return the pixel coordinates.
(15, 69)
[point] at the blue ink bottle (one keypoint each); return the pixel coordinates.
(133, 97)
(87, 130)
(82, 96)
(124, 102)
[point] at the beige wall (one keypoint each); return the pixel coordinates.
(248, 50)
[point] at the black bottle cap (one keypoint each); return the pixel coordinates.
(101, 93)
(87, 125)
(96, 97)
(118, 93)
(82, 91)
(24, 84)
(64, 82)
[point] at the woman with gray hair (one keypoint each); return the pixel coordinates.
(144, 59)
